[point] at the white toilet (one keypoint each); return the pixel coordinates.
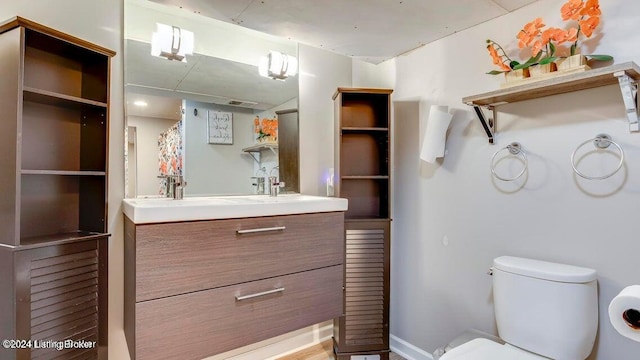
(543, 311)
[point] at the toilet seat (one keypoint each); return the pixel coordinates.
(484, 349)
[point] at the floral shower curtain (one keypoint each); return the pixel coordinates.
(170, 153)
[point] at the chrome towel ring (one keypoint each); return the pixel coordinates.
(601, 141)
(514, 149)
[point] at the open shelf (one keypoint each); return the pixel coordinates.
(363, 109)
(625, 74)
(556, 85)
(58, 99)
(54, 239)
(51, 204)
(63, 172)
(260, 147)
(364, 129)
(365, 177)
(364, 154)
(368, 197)
(61, 67)
(63, 138)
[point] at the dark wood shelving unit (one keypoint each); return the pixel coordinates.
(53, 146)
(362, 151)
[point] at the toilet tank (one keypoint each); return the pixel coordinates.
(546, 308)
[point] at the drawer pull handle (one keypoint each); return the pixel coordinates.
(251, 296)
(249, 231)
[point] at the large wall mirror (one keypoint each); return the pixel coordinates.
(174, 107)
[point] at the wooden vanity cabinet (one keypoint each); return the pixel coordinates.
(54, 96)
(200, 288)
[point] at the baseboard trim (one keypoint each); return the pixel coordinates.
(407, 350)
(282, 345)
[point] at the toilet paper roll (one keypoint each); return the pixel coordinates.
(624, 312)
(435, 135)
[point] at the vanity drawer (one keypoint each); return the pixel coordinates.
(204, 323)
(176, 258)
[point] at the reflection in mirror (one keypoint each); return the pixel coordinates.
(217, 97)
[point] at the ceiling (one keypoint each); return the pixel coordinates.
(369, 30)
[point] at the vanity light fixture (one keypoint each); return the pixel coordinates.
(171, 42)
(277, 65)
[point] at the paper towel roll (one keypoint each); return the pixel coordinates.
(435, 134)
(624, 312)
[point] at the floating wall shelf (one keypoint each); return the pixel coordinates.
(626, 75)
(258, 148)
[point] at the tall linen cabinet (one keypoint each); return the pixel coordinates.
(54, 96)
(362, 175)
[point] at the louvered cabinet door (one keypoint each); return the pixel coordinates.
(58, 292)
(364, 328)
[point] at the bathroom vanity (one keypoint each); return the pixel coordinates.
(208, 275)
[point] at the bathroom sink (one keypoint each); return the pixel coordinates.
(158, 210)
(294, 198)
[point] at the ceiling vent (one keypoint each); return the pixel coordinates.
(242, 103)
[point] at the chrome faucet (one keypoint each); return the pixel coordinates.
(174, 186)
(274, 183)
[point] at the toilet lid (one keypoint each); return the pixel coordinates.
(485, 349)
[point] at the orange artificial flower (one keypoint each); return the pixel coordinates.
(537, 47)
(571, 10)
(559, 35)
(571, 36)
(256, 121)
(494, 55)
(587, 26)
(497, 59)
(591, 8)
(529, 32)
(585, 13)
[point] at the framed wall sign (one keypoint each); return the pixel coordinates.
(220, 127)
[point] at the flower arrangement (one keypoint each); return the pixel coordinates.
(266, 130)
(584, 18)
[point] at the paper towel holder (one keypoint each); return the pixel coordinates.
(632, 318)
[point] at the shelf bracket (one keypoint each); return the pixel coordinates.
(629, 89)
(253, 155)
(488, 124)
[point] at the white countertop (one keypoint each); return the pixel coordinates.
(159, 210)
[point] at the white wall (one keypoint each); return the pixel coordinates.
(147, 132)
(452, 218)
(321, 73)
(211, 169)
